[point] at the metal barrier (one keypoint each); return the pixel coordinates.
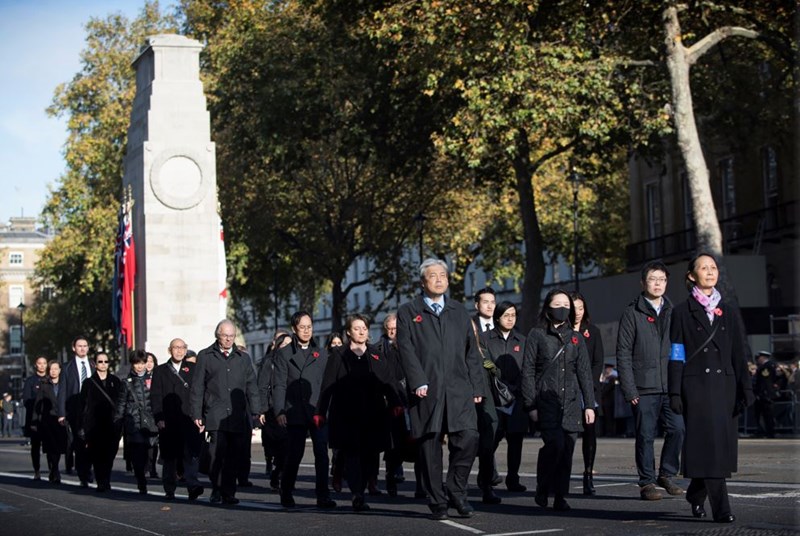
(785, 411)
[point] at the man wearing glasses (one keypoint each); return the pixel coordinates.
(299, 368)
(223, 394)
(643, 349)
(100, 435)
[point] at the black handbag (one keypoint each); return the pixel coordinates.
(503, 396)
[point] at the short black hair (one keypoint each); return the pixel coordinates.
(653, 266)
(481, 292)
(79, 338)
(501, 309)
(138, 356)
(295, 320)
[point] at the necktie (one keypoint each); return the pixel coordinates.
(225, 353)
(436, 308)
(83, 372)
(488, 327)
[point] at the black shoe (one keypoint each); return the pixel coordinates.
(698, 510)
(359, 505)
(215, 498)
(229, 500)
(274, 481)
(153, 474)
(326, 503)
(489, 497)
(730, 518)
(438, 513)
(463, 507)
(142, 489)
(195, 492)
(497, 480)
(560, 505)
(246, 484)
(287, 501)
(515, 486)
(421, 495)
(540, 499)
(84, 484)
(169, 495)
(588, 484)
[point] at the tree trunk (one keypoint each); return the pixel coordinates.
(532, 237)
(338, 304)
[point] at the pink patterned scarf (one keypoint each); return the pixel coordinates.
(709, 303)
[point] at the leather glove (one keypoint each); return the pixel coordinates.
(319, 420)
(489, 365)
(676, 404)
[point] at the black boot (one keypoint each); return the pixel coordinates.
(588, 484)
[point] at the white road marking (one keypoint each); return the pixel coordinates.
(462, 527)
(543, 531)
(82, 513)
(783, 495)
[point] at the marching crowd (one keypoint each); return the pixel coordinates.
(437, 377)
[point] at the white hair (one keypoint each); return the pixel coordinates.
(429, 262)
(224, 322)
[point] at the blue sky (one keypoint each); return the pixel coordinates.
(40, 46)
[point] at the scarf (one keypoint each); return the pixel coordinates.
(709, 303)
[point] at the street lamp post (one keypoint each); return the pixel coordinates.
(575, 179)
(419, 219)
(21, 308)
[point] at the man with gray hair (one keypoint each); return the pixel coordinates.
(439, 354)
(224, 392)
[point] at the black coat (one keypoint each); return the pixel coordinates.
(711, 380)
(29, 393)
(298, 382)
(507, 355)
(98, 410)
(553, 381)
(442, 353)
(169, 397)
(70, 401)
(135, 411)
(594, 347)
(643, 348)
(46, 415)
(357, 396)
(266, 380)
(224, 392)
(764, 381)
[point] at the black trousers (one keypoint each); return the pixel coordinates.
(462, 447)
(554, 465)
(764, 410)
(716, 489)
(78, 446)
(245, 463)
(36, 451)
(102, 448)
(359, 468)
(140, 457)
(295, 447)
(589, 446)
(513, 453)
(225, 451)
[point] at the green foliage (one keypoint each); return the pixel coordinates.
(82, 208)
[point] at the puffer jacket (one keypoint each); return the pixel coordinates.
(135, 411)
(553, 382)
(643, 348)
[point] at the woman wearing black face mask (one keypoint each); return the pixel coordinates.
(555, 374)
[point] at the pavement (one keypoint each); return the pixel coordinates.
(765, 497)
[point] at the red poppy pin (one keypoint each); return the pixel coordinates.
(418, 319)
(315, 355)
(651, 319)
(574, 340)
(718, 311)
(185, 369)
(586, 333)
(375, 357)
(516, 348)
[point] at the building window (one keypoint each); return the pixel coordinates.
(653, 207)
(367, 300)
(727, 182)
(15, 258)
(15, 295)
(48, 292)
(769, 175)
(14, 339)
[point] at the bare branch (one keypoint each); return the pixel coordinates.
(696, 51)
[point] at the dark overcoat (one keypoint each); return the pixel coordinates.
(553, 381)
(45, 417)
(134, 410)
(99, 409)
(357, 396)
(29, 393)
(298, 381)
(711, 377)
(70, 401)
(224, 391)
(442, 353)
(594, 347)
(170, 394)
(507, 356)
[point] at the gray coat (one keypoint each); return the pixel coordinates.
(442, 353)
(297, 382)
(224, 392)
(643, 348)
(553, 381)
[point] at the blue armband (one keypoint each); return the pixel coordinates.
(678, 353)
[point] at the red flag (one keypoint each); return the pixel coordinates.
(128, 280)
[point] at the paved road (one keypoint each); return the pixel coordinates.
(765, 496)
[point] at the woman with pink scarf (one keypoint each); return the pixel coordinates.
(709, 385)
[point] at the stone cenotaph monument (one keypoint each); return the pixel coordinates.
(170, 168)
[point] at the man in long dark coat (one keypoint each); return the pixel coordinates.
(178, 436)
(224, 393)
(439, 354)
(76, 371)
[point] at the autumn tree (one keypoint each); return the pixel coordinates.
(82, 207)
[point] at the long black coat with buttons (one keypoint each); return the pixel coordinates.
(297, 382)
(552, 381)
(711, 380)
(507, 356)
